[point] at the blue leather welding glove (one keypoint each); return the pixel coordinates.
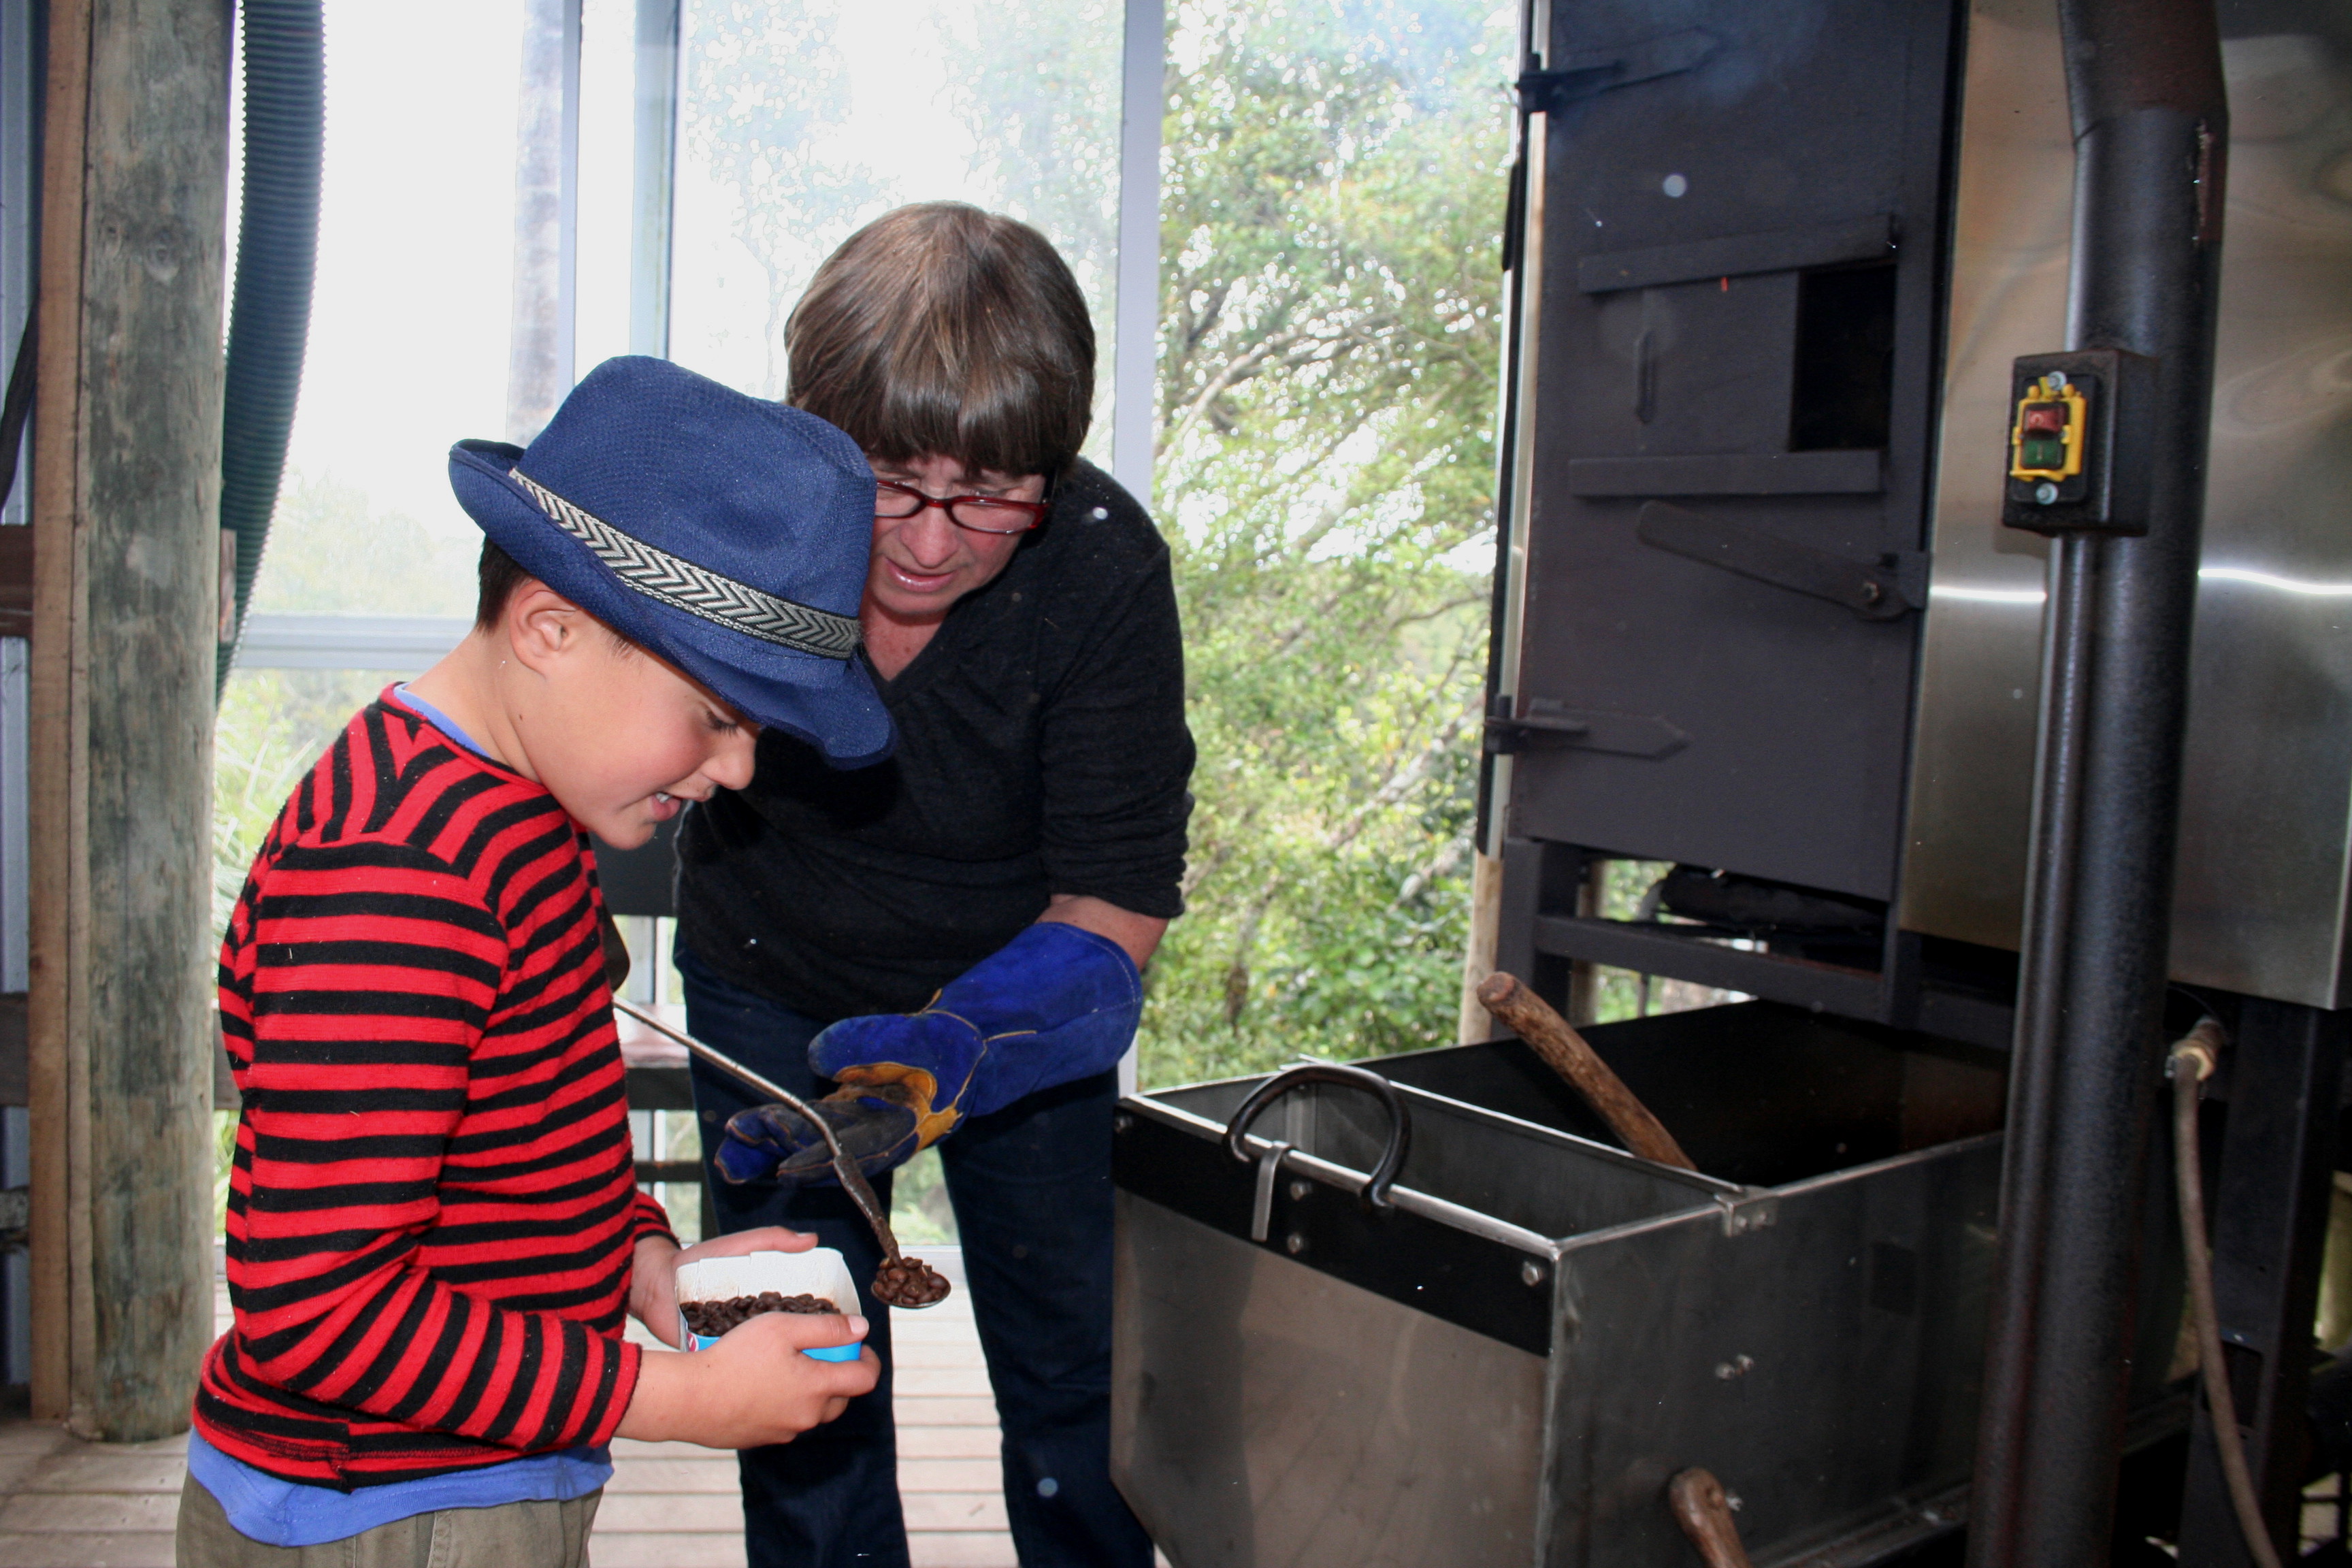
(1056, 1004)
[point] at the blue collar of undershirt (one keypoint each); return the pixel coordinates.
(441, 722)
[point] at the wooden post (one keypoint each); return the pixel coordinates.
(1478, 955)
(126, 494)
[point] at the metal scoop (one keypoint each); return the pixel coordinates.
(902, 1281)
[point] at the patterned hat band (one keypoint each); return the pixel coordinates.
(683, 585)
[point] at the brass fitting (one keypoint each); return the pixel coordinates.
(2201, 1046)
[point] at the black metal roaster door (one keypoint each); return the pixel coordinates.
(1734, 389)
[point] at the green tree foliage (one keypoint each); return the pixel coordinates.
(1044, 103)
(1332, 202)
(764, 82)
(272, 726)
(1045, 109)
(1331, 209)
(328, 555)
(1331, 212)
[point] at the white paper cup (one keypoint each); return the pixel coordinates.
(817, 1272)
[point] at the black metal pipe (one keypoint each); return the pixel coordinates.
(2144, 79)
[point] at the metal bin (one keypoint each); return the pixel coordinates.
(1508, 1364)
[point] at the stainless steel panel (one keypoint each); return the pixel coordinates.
(2267, 818)
(1266, 1415)
(2266, 832)
(1824, 1366)
(1972, 756)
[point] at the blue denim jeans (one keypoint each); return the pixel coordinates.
(1031, 1186)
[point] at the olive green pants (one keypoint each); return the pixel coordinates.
(511, 1535)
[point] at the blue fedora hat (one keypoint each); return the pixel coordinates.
(727, 534)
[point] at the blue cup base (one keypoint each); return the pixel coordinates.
(824, 1353)
(834, 1353)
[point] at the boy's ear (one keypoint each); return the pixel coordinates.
(542, 627)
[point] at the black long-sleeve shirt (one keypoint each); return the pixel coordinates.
(1042, 749)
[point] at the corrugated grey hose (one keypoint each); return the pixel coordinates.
(2190, 1064)
(276, 265)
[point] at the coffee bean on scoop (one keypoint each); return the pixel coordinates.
(910, 1282)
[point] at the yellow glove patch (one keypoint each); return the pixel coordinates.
(913, 1088)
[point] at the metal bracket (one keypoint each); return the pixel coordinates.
(1589, 729)
(1269, 1171)
(1880, 591)
(1596, 71)
(1755, 1209)
(1507, 735)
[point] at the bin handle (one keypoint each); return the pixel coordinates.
(1375, 1193)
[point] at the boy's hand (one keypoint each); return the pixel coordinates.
(753, 1387)
(653, 1281)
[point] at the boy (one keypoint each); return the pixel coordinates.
(433, 1227)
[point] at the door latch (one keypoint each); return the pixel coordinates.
(1596, 71)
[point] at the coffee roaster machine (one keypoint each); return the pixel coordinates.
(1759, 618)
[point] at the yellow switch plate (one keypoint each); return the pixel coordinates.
(2077, 420)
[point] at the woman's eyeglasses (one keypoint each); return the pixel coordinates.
(980, 514)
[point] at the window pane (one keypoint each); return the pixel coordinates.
(799, 120)
(605, 244)
(407, 354)
(408, 330)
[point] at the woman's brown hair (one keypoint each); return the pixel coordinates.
(943, 330)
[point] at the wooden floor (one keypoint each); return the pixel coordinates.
(66, 1504)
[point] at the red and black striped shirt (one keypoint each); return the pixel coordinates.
(432, 1208)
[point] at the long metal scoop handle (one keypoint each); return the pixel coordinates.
(728, 1064)
(903, 1281)
(852, 1178)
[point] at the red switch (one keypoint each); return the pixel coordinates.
(2045, 418)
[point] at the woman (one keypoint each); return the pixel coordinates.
(1018, 858)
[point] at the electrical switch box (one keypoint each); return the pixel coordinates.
(2077, 457)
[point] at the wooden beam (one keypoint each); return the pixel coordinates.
(57, 423)
(126, 493)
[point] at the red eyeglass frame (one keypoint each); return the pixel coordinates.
(1036, 510)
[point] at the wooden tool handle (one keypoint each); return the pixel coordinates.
(1532, 1019)
(1705, 1514)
